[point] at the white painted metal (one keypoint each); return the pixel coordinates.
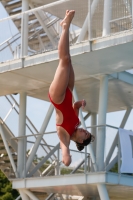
(78, 166)
(24, 30)
(18, 198)
(57, 163)
(23, 195)
(89, 20)
(36, 145)
(43, 25)
(84, 75)
(102, 192)
(43, 160)
(85, 25)
(115, 142)
(123, 76)
(103, 98)
(8, 151)
(9, 112)
(30, 194)
(22, 131)
(111, 164)
(132, 13)
(45, 171)
(94, 130)
(84, 126)
(50, 197)
(107, 14)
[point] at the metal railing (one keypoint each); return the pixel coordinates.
(97, 19)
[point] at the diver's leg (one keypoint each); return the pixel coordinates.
(61, 79)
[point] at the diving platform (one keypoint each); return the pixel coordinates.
(119, 186)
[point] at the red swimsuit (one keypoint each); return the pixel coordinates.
(70, 119)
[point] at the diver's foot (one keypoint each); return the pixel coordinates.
(65, 23)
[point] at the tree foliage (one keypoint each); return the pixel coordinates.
(6, 191)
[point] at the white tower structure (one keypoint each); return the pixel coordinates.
(101, 49)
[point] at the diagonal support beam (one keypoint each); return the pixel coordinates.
(112, 163)
(43, 25)
(36, 145)
(30, 194)
(8, 151)
(23, 195)
(44, 160)
(115, 142)
(102, 192)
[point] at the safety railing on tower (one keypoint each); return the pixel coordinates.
(38, 30)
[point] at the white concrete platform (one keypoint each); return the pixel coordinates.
(119, 186)
(108, 55)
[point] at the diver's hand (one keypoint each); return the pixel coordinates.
(66, 159)
(83, 103)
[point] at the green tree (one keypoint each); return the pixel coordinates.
(6, 191)
(7, 196)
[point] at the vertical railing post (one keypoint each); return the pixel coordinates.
(94, 130)
(132, 13)
(84, 126)
(57, 165)
(24, 29)
(103, 98)
(107, 13)
(22, 130)
(89, 21)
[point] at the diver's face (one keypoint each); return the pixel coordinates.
(82, 135)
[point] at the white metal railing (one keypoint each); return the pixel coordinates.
(103, 19)
(28, 121)
(99, 18)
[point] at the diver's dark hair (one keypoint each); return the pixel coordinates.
(80, 146)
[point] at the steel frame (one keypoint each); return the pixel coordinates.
(96, 150)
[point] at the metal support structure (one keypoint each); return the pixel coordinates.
(9, 112)
(84, 126)
(8, 151)
(107, 14)
(89, 20)
(132, 13)
(85, 25)
(23, 195)
(22, 130)
(112, 163)
(57, 164)
(44, 160)
(102, 192)
(24, 29)
(103, 98)
(115, 142)
(36, 145)
(94, 130)
(78, 166)
(50, 197)
(30, 194)
(43, 25)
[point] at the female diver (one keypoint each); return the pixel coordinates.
(60, 94)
